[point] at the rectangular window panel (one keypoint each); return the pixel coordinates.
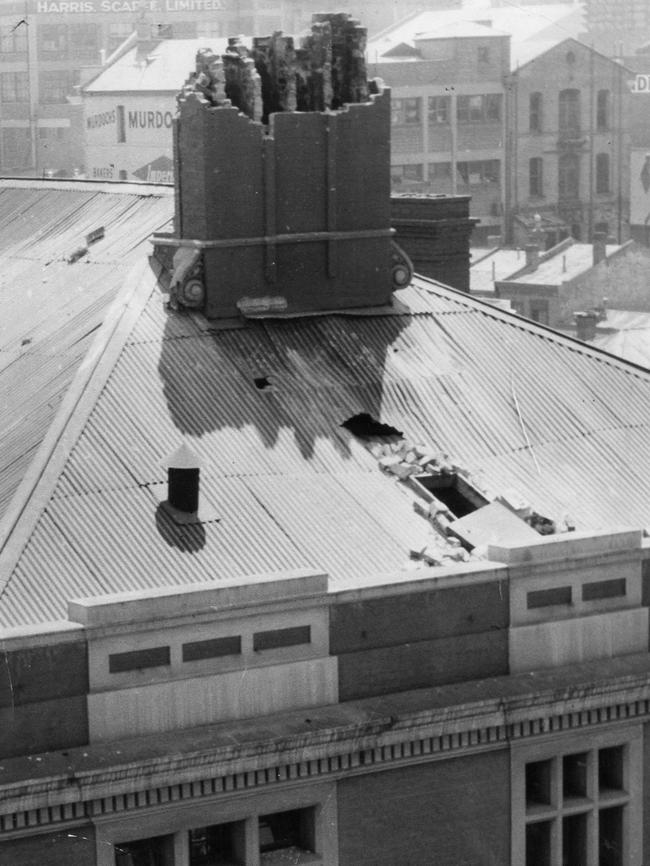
(610, 837)
(152, 657)
(574, 840)
(538, 783)
(157, 851)
(438, 109)
(538, 844)
(219, 845)
(535, 112)
(14, 87)
(213, 648)
(574, 775)
(603, 589)
(290, 832)
(549, 597)
(535, 176)
(602, 110)
(13, 38)
(279, 637)
(610, 769)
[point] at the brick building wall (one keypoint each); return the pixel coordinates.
(447, 813)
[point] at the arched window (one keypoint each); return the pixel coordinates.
(602, 109)
(569, 176)
(569, 112)
(602, 173)
(535, 112)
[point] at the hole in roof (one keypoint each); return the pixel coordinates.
(453, 491)
(261, 383)
(365, 426)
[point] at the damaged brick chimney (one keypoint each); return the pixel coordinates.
(282, 165)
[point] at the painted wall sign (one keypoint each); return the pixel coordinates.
(104, 172)
(641, 84)
(160, 170)
(67, 7)
(150, 119)
(103, 118)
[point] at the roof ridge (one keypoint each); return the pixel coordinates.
(35, 489)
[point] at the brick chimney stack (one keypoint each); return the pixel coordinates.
(586, 325)
(282, 167)
(532, 256)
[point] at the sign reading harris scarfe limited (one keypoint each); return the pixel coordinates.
(67, 7)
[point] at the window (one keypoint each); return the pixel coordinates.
(483, 54)
(14, 87)
(55, 86)
(137, 659)
(569, 112)
(157, 851)
(401, 173)
(53, 39)
(288, 833)
(569, 176)
(536, 176)
(439, 177)
(479, 109)
(573, 797)
(17, 149)
(539, 311)
(406, 111)
(438, 109)
(479, 173)
(602, 173)
(535, 112)
(13, 38)
(614, 588)
(120, 124)
(84, 41)
(219, 845)
(281, 637)
(212, 648)
(602, 110)
(554, 595)
(518, 307)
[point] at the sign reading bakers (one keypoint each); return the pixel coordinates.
(641, 84)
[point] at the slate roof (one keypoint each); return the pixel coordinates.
(51, 309)
(284, 485)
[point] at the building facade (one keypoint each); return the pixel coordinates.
(568, 147)
(448, 116)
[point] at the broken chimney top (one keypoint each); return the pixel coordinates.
(282, 168)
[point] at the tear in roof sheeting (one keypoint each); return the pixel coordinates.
(515, 404)
(51, 309)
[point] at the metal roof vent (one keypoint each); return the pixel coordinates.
(183, 470)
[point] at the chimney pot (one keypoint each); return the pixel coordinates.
(183, 469)
(586, 325)
(599, 247)
(532, 256)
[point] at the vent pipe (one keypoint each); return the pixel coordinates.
(183, 469)
(586, 325)
(600, 247)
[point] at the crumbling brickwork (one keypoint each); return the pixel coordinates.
(283, 172)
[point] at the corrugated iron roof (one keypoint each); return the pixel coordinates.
(51, 309)
(284, 484)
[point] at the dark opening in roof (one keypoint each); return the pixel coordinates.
(365, 426)
(261, 382)
(452, 490)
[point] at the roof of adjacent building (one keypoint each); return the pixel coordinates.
(566, 261)
(155, 66)
(284, 485)
(625, 333)
(53, 306)
(532, 29)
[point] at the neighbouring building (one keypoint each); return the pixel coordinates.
(568, 148)
(616, 27)
(318, 561)
(447, 71)
(547, 286)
